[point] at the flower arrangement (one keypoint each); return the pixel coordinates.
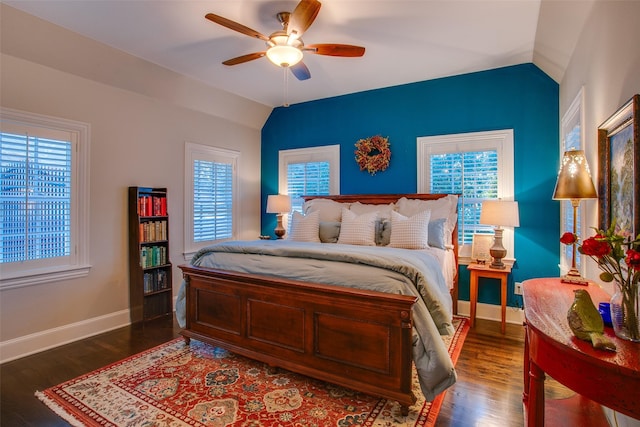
(618, 258)
(373, 154)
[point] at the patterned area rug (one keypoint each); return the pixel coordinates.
(201, 385)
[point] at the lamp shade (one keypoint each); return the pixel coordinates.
(280, 203)
(500, 213)
(574, 178)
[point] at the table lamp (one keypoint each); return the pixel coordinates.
(279, 204)
(574, 183)
(499, 213)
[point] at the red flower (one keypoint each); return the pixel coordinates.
(568, 238)
(596, 246)
(633, 259)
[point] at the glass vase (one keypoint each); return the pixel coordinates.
(625, 312)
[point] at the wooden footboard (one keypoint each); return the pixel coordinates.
(354, 338)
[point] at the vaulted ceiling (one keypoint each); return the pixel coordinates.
(405, 41)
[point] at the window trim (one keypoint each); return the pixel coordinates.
(499, 140)
(324, 153)
(78, 265)
(194, 152)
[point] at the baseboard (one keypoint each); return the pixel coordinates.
(50, 338)
(492, 312)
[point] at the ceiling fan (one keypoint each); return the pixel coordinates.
(285, 47)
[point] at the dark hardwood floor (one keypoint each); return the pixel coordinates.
(488, 391)
(21, 378)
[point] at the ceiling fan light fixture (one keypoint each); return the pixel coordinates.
(283, 50)
(284, 55)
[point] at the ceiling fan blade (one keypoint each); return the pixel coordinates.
(300, 71)
(244, 58)
(235, 26)
(335, 49)
(302, 17)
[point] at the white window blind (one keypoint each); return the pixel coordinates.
(473, 175)
(35, 187)
(212, 200)
(210, 196)
(310, 179)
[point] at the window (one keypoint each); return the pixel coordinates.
(477, 166)
(572, 139)
(44, 194)
(309, 172)
(210, 196)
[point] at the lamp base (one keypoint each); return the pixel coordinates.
(573, 277)
(497, 251)
(279, 230)
(497, 264)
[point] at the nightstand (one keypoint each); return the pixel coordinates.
(477, 271)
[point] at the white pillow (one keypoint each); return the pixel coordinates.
(358, 229)
(305, 228)
(440, 208)
(445, 207)
(384, 211)
(330, 210)
(410, 232)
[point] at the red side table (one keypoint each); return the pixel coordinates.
(598, 376)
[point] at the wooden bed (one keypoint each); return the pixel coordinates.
(354, 338)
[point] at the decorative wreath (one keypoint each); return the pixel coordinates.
(373, 154)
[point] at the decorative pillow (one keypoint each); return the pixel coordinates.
(329, 232)
(437, 237)
(383, 232)
(440, 208)
(305, 228)
(410, 233)
(384, 211)
(445, 207)
(358, 229)
(330, 210)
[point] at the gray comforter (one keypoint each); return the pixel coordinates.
(384, 269)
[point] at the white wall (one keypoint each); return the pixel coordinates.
(606, 61)
(137, 138)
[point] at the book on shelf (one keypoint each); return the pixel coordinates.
(152, 205)
(151, 231)
(153, 256)
(155, 281)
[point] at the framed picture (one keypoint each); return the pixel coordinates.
(619, 170)
(480, 246)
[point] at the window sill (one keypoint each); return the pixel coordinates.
(45, 276)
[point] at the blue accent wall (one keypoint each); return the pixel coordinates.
(521, 97)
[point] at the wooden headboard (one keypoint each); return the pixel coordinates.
(384, 199)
